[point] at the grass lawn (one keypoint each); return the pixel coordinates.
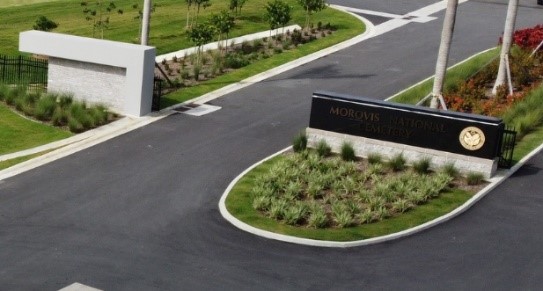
(18, 133)
(8, 3)
(168, 23)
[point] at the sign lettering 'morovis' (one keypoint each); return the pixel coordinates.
(441, 130)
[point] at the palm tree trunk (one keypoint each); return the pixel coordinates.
(443, 55)
(145, 22)
(506, 43)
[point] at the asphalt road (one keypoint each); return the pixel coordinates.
(139, 212)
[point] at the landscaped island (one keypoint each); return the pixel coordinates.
(311, 195)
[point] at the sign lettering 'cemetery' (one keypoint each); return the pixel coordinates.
(465, 134)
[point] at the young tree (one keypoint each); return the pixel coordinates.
(236, 5)
(44, 24)
(506, 44)
(278, 14)
(200, 3)
(310, 7)
(443, 54)
(201, 34)
(223, 23)
(99, 15)
(189, 4)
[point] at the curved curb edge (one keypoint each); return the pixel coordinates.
(495, 182)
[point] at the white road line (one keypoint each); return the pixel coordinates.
(420, 16)
(78, 287)
(369, 12)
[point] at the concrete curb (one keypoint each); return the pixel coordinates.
(495, 182)
(74, 144)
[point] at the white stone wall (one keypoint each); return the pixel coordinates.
(365, 146)
(113, 73)
(93, 83)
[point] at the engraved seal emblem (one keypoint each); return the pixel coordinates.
(472, 138)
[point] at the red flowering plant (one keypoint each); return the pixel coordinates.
(474, 95)
(527, 38)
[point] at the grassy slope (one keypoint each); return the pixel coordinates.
(17, 133)
(454, 75)
(167, 25)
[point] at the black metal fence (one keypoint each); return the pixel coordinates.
(157, 93)
(507, 146)
(21, 70)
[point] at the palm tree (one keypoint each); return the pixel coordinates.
(506, 43)
(443, 55)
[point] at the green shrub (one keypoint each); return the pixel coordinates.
(397, 163)
(422, 166)
(299, 142)
(375, 158)
(278, 208)
(341, 214)
(60, 117)
(474, 178)
(79, 112)
(65, 100)
(347, 152)
(262, 203)
(295, 214)
(4, 91)
(98, 114)
(14, 94)
(74, 125)
(317, 217)
(381, 213)
(367, 216)
(235, 61)
(375, 169)
(401, 205)
(323, 149)
(45, 107)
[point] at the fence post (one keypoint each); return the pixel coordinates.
(19, 66)
(4, 65)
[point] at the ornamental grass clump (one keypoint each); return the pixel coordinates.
(4, 91)
(58, 110)
(347, 152)
(422, 166)
(323, 149)
(375, 158)
(299, 142)
(474, 178)
(45, 107)
(450, 169)
(397, 163)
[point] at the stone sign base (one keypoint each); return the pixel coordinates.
(365, 146)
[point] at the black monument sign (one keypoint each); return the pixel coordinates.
(460, 133)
